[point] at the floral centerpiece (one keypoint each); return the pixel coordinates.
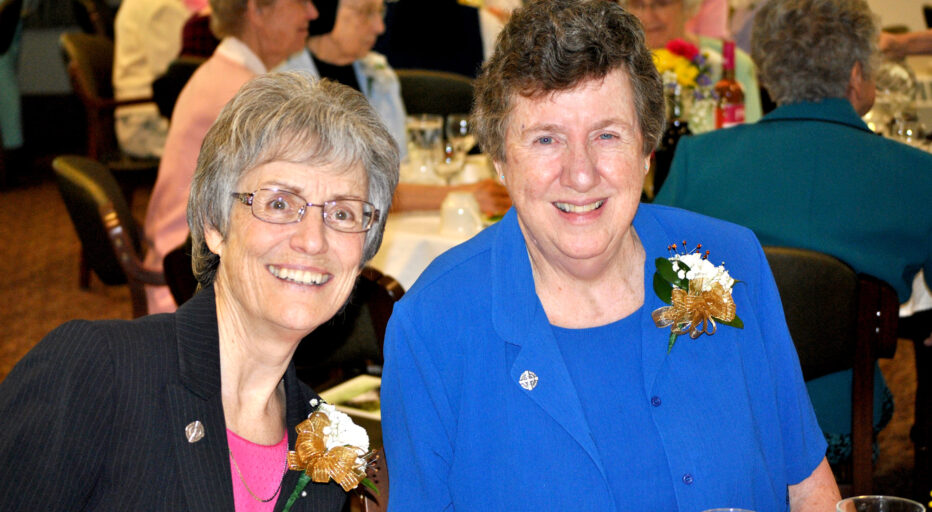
(699, 294)
(329, 445)
(684, 69)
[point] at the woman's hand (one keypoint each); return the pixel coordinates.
(493, 198)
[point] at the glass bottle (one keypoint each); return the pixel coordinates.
(677, 126)
(729, 111)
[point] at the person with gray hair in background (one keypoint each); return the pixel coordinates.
(196, 410)
(812, 175)
(256, 36)
(531, 367)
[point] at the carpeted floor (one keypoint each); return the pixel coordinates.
(39, 255)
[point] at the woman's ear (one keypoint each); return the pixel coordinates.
(214, 240)
(499, 171)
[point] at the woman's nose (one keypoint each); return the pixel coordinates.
(310, 235)
(310, 11)
(579, 170)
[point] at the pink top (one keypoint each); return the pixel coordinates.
(214, 83)
(262, 467)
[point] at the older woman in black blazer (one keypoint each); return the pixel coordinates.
(287, 204)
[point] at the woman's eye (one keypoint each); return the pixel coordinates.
(607, 136)
(341, 214)
(278, 204)
(545, 140)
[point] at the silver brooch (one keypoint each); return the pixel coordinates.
(194, 431)
(528, 380)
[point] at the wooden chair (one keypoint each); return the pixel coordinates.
(89, 59)
(839, 319)
(179, 276)
(94, 17)
(350, 343)
(435, 92)
(110, 240)
(166, 88)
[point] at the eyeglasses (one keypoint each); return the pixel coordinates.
(281, 207)
(641, 5)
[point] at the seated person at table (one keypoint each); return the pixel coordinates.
(340, 49)
(257, 36)
(197, 410)
(665, 20)
(147, 37)
(811, 174)
(525, 370)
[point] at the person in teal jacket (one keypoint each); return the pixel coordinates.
(530, 368)
(811, 174)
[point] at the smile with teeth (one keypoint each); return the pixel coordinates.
(572, 208)
(299, 276)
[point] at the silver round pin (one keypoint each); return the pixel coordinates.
(528, 380)
(194, 431)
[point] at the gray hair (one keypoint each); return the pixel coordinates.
(291, 117)
(555, 45)
(805, 49)
(227, 16)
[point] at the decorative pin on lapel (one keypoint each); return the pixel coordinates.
(194, 431)
(528, 380)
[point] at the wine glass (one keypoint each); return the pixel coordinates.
(878, 504)
(460, 133)
(451, 162)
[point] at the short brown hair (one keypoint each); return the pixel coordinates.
(554, 45)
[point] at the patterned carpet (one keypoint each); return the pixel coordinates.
(39, 255)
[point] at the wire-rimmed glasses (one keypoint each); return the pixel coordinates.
(282, 207)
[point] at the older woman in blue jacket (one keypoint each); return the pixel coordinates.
(531, 368)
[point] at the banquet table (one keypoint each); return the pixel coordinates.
(411, 241)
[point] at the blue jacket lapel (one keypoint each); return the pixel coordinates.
(519, 318)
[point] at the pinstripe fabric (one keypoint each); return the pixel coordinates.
(93, 418)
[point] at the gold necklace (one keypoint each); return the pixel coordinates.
(241, 479)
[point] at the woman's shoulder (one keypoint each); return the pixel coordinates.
(678, 220)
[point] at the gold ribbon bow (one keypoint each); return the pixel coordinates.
(695, 312)
(312, 456)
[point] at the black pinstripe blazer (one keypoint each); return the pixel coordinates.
(94, 417)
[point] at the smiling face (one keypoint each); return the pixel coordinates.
(280, 28)
(286, 279)
(358, 24)
(574, 168)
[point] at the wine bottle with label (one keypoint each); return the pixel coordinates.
(729, 111)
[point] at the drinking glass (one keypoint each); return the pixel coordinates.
(460, 133)
(878, 504)
(450, 163)
(425, 138)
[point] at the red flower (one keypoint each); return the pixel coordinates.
(683, 48)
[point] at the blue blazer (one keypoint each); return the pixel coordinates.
(93, 418)
(462, 433)
(812, 175)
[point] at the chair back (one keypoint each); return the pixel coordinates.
(94, 17)
(166, 88)
(179, 276)
(9, 19)
(435, 92)
(350, 343)
(838, 319)
(107, 230)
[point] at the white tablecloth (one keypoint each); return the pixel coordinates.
(411, 241)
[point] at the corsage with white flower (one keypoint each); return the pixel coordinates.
(699, 294)
(329, 445)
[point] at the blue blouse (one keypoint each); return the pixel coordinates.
(731, 413)
(612, 400)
